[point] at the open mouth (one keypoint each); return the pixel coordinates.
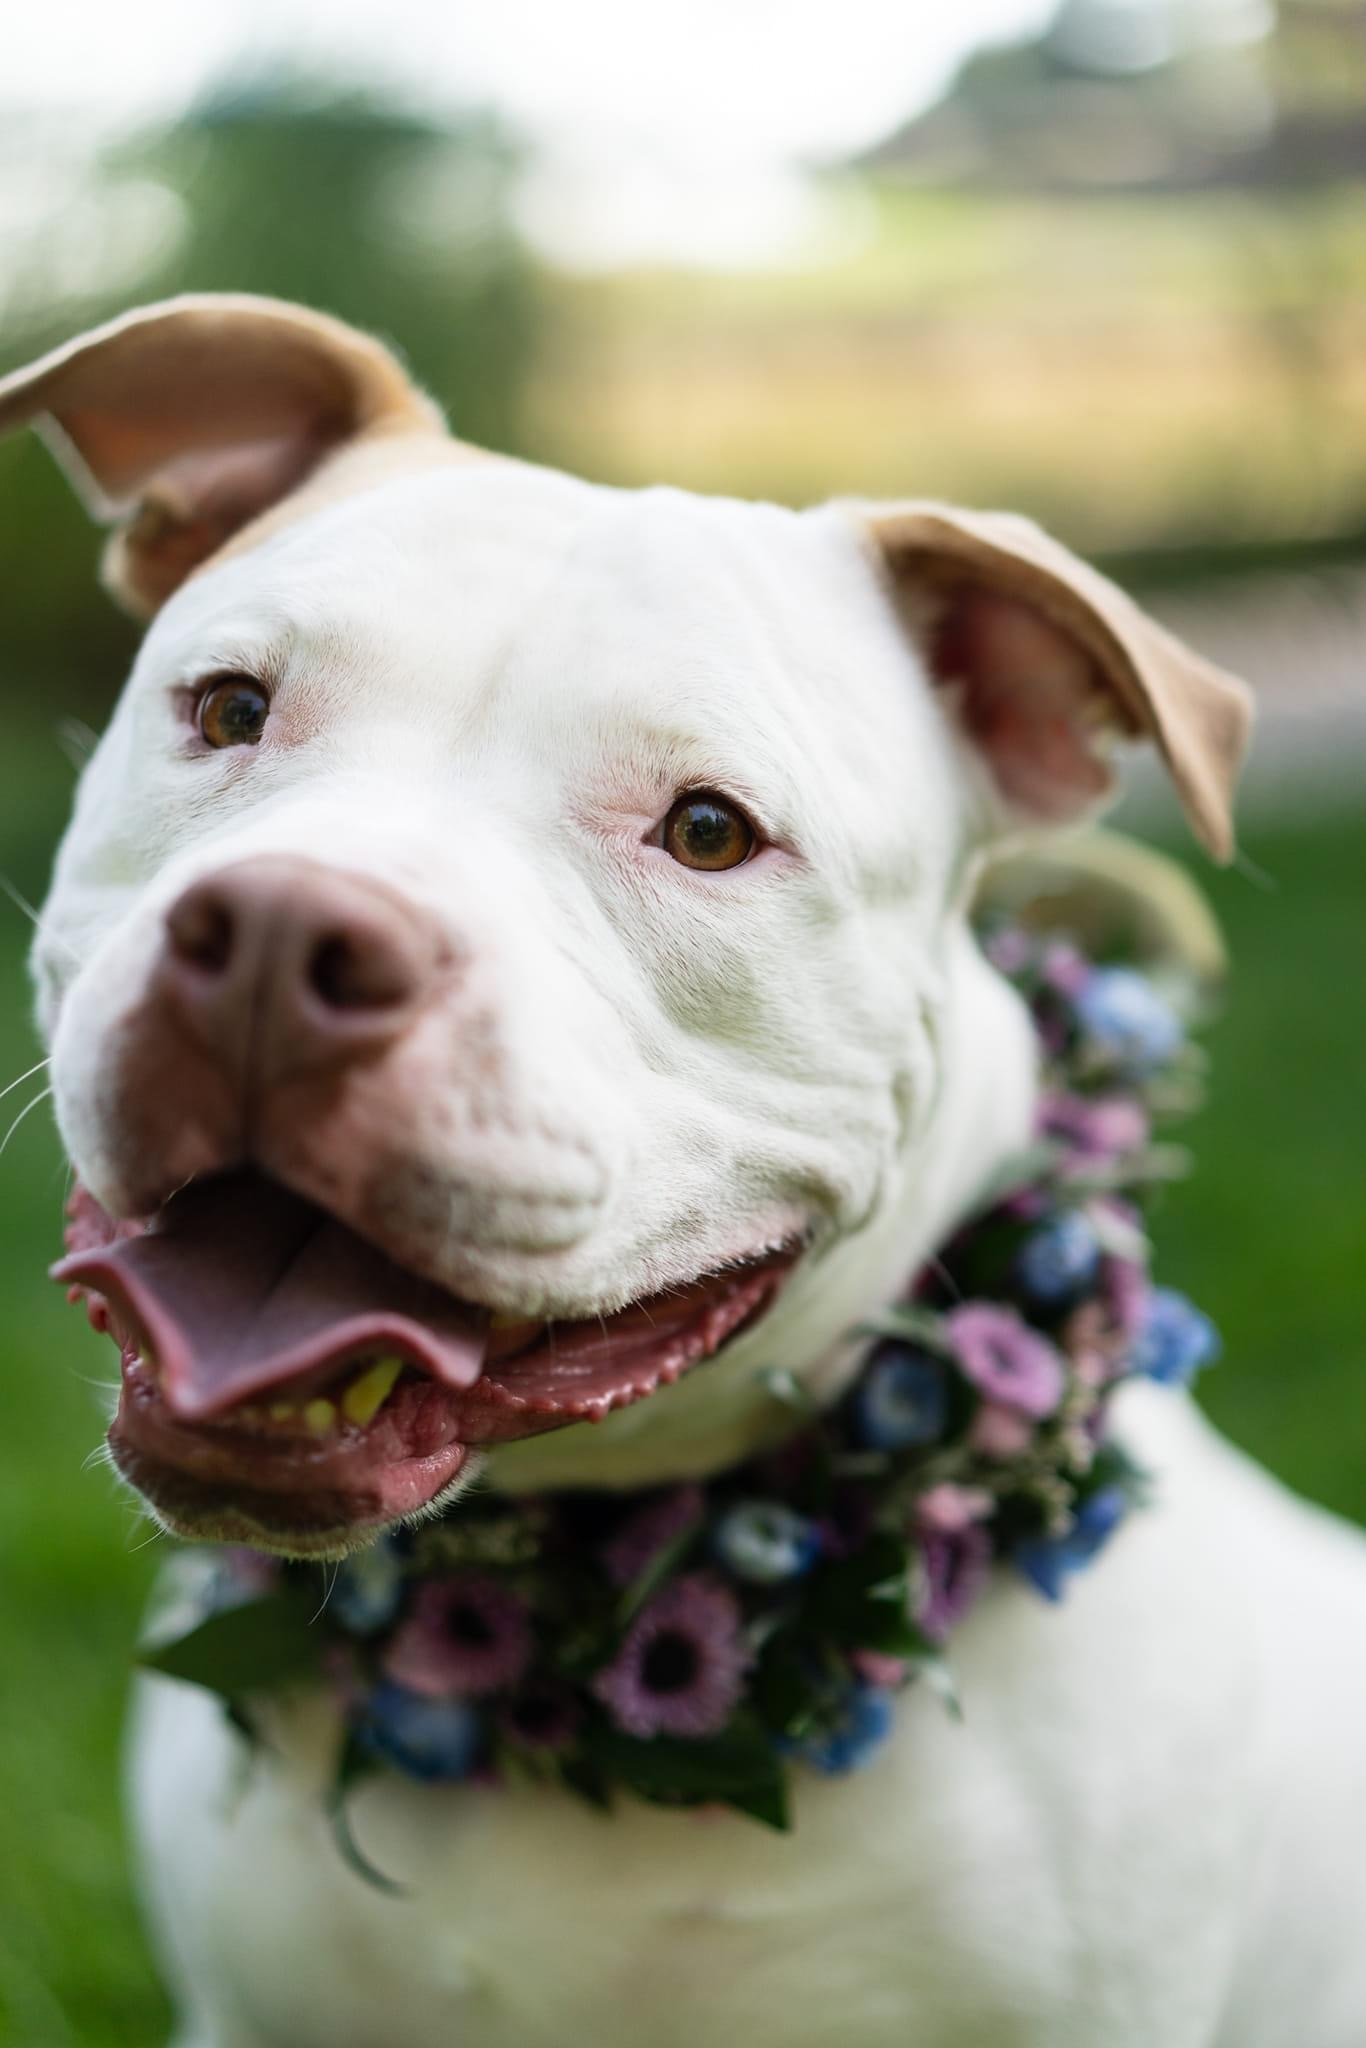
(286, 1384)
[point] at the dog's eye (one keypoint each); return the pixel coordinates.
(704, 831)
(232, 712)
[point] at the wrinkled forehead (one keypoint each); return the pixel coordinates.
(507, 603)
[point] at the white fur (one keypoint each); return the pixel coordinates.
(491, 684)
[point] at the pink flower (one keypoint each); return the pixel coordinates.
(465, 1635)
(1064, 968)
(681, 1669)
(949, 1509)
(1094, 1127)
(876, 1669)
(999, 1432)
(1006, 1360)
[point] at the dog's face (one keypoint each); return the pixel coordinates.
(509, 945)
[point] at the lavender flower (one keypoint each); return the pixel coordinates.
(1006, 1360)
(467, 1634)
(956, 1568)
(1093, 1127)
(681, 1669)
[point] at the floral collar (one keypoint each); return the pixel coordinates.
(702, 1642)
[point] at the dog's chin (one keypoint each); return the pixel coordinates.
(288, 1385)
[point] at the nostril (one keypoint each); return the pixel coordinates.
(200, 928)
(358, 973)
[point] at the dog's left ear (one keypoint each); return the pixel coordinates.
(186, 420)
(1045, 662)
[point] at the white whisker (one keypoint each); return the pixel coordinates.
(36, 1068)
(21, 902)
(27, 1110)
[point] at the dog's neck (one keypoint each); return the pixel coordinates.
(982, 1117)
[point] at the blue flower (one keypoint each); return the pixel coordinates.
(1048, 1562)
(432, 1739)
(901, 1400)
(368, 1589)
(1176, 1340)
(1058, 1263)
(765, 1542)
(864, 1724)
(1122, 1013)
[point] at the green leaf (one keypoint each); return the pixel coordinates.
(739, 1768)
(934, 1669)
(353, 1764)
(664, 1561)
(243, 1649)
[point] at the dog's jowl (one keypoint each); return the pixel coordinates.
(563, 1126)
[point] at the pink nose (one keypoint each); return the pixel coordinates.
(279, 965)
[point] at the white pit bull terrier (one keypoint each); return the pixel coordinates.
(564, 889)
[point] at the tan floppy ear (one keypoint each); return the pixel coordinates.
(1047, 663)
(186, 420)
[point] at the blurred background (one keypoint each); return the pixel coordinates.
(1103, 262)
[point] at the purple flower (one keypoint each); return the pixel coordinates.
(1006, 1360)
(1126, 1293)
(427, 1738)
(1176, 1340)
(681, 1669)
(864, 1723)
(1048, 1562)
(765, 1542)
(648, 1529)
(956, 1569)
(1094, 1127)
(544, 1715)
(901, 1399)
(464, 1635)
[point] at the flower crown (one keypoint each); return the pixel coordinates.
(698, 1643)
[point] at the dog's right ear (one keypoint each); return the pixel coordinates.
(187, 420)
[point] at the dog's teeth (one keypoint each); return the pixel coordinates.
(369, 1391)
(499, 1321)
(283, 1411)
(320, 1417)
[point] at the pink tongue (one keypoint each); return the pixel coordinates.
(239, 1285)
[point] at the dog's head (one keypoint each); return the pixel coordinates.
(510, 945)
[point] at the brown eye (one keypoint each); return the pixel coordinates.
(707, 832)
(232, 712)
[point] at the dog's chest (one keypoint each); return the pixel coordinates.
(1013, 1878)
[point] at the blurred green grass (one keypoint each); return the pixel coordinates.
(1267, 1236)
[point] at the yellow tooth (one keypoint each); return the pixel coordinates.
(320, 1417)
(369, 1391)
(499, 1321)
(282, 1411)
